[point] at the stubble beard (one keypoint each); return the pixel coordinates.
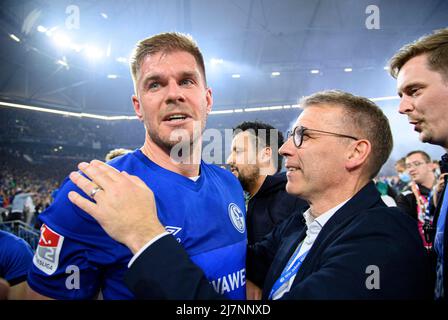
(176, 138)
(248, 179)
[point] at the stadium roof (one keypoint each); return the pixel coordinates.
(71, 55)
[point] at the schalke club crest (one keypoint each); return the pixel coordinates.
(237, 218)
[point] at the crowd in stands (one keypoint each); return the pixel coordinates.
(38, 172)
(38, 127)
(38, 150)
(14, 182)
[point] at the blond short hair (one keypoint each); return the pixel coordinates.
(116, 153)
(166, 43)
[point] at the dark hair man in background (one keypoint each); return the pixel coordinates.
(255, 161)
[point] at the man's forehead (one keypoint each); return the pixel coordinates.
(243, 136)
(243, 140)
(412, 70)
(413, 157)
(318, 115)
(160, 62)
(163, 55)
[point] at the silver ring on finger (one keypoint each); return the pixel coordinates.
(94, 191)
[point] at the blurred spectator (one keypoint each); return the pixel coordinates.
(438, 188)
(387, 193)
(116, 153)
(15, 259)
(39, 185)
(436, 166)
(400, 182)
(22, 206)
(415, 199)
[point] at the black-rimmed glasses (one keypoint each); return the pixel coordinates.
(298, 132)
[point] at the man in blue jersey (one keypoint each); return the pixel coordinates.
(201, 206)
(15, 260)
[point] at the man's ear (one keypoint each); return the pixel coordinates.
(265, 155)
(209, 99)
(137, 107)
(358, 154)
(434, 166)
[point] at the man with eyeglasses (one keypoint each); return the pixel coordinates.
(338, 145)
(348, 245)
(416, 199)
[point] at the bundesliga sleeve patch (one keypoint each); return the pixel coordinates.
(46, 258)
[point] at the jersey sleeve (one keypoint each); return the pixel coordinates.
(17, 262)
(72, 251)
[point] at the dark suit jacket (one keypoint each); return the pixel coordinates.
(363, 233)
(270, 206)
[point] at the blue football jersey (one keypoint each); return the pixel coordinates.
(76, 259)
(15, 258)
